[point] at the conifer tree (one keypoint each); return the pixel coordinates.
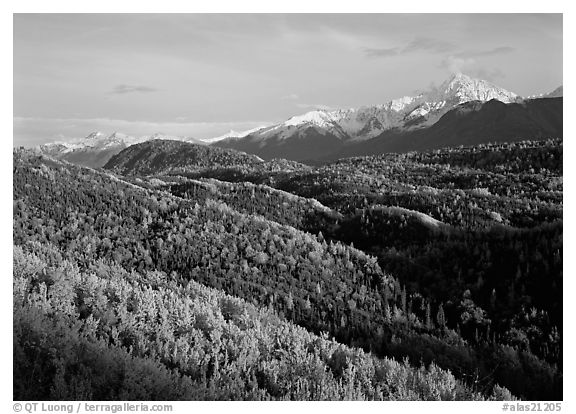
(440, 317)
(428, 318)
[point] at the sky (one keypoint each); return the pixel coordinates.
(201, 75)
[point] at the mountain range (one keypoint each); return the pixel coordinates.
(357, 124)
(96, 149)
(231, 134)
(461, 111)
(470, 123)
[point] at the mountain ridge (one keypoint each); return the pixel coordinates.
(96, 149)
(321, 135)
(157, 156)
(471, 123)
(367, 122)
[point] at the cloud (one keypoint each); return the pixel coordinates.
(431, 45)
(393, 51)
(290, 97)
(455, 60)
(488, 74)
(502, 50)
(420, 44)
(30, 131)
(122, 89)
(456, 64)
(470, 66)
(467, 62)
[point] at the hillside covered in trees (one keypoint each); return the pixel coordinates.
(433, 275)
(170, 155)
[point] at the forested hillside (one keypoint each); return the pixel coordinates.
(99, 332)
(287, 207)
(169, 155)
(413, 297)
(480, 225)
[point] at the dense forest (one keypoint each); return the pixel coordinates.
(484, 220)
(431, 275)
(103, 333)
(167, 155)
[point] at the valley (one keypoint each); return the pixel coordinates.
(446, 262)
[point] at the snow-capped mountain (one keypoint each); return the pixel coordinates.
(316, 134)
(231, 134)
(320, 134)
(95, 140)
(470, 123)
(97, 148)
(407, 112)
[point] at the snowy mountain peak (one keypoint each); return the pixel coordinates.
(407, 112)
(232, 134)
(119, 137)
(95, 135)
(97, 148)
(464, 88)
(317, 117)
(161, 135)
(459, 77)
(99, 141)
(399, 104)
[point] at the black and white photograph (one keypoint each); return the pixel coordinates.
(288, 207)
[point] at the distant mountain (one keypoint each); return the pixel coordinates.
(168, 156)
(318, 133)
(404, 124)
(97, 148)
(231, 134)
(471, 123)
(556, 93)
